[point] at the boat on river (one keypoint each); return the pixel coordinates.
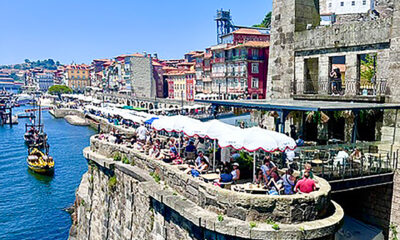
(39, 161)
(34, 133)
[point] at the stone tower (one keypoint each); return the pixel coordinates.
(288, 16)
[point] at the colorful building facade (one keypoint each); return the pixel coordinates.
(78, 76)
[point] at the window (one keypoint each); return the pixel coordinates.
(364, 2)
(254, 67)
(254, 83)
(255, 52)
(353, 3)
(330, 5)
(341, 4)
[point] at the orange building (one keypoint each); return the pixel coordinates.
(77, 76)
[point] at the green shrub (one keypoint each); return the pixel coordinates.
(393, 229)
(245, 163)
(117, 156)
(112, 182)
(155, 176)
(125, 160)
(220, 218)
(253, 224)
(269, 221)
(275, 226)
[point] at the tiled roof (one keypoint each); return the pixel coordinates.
(252, 44)
(78, 67)
(155, 63)
(247, 31)
(186, 63)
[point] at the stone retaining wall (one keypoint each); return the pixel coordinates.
(121, 201)
(243, 206)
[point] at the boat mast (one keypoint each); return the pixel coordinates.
(40, 117)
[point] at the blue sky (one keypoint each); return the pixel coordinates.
(82, 30)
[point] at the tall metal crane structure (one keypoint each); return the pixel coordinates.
(224, 24)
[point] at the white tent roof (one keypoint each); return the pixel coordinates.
(250, 139)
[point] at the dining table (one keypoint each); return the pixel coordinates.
(250, 188)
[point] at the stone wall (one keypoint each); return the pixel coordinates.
(371, 205)
(281, 55)
(121, 201)
(143, 84)
(344, 35)
(62, 112)
(395, 202)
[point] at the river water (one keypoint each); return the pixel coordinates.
(31, 205)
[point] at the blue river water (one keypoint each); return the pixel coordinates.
(31, 205)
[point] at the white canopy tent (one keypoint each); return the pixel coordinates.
(251, 139)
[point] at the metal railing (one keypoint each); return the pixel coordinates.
(350, 87)
(327, 165)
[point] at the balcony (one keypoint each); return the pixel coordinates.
(237, 58)
(256, 58)
(350, 90)
(236, 74)
(218, 74)
(199, 65)
(217, 60)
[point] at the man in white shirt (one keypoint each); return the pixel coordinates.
(142, 132)
(341, 157)
(289, 157)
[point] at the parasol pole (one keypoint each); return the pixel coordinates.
(254, 166)
(215, 142)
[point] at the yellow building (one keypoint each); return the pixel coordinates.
(78, 76)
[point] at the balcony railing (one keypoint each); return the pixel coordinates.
(236, 74)
(217, 60)
(199, 65)
(255, 58)
(350, 87)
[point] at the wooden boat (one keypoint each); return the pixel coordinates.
(40, 162)
(34, 134)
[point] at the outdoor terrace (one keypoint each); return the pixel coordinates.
(245, 206)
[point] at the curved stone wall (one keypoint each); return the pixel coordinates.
(248, 207)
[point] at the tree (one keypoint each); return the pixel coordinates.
(368, 68)
(59, 89)
(26, 61)
(266, 22)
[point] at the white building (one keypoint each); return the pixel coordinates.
(346, 6)
(45, 80)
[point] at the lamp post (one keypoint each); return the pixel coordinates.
(182, 102)
(226, 88)
(219, 90)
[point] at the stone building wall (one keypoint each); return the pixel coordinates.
(371, 205)
(143, 84)
(395, 202)
(281, 55)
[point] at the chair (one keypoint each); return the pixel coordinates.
(227, 185)
(190, 155)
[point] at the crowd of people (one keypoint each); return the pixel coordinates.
(194, 153)
(287, 183)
